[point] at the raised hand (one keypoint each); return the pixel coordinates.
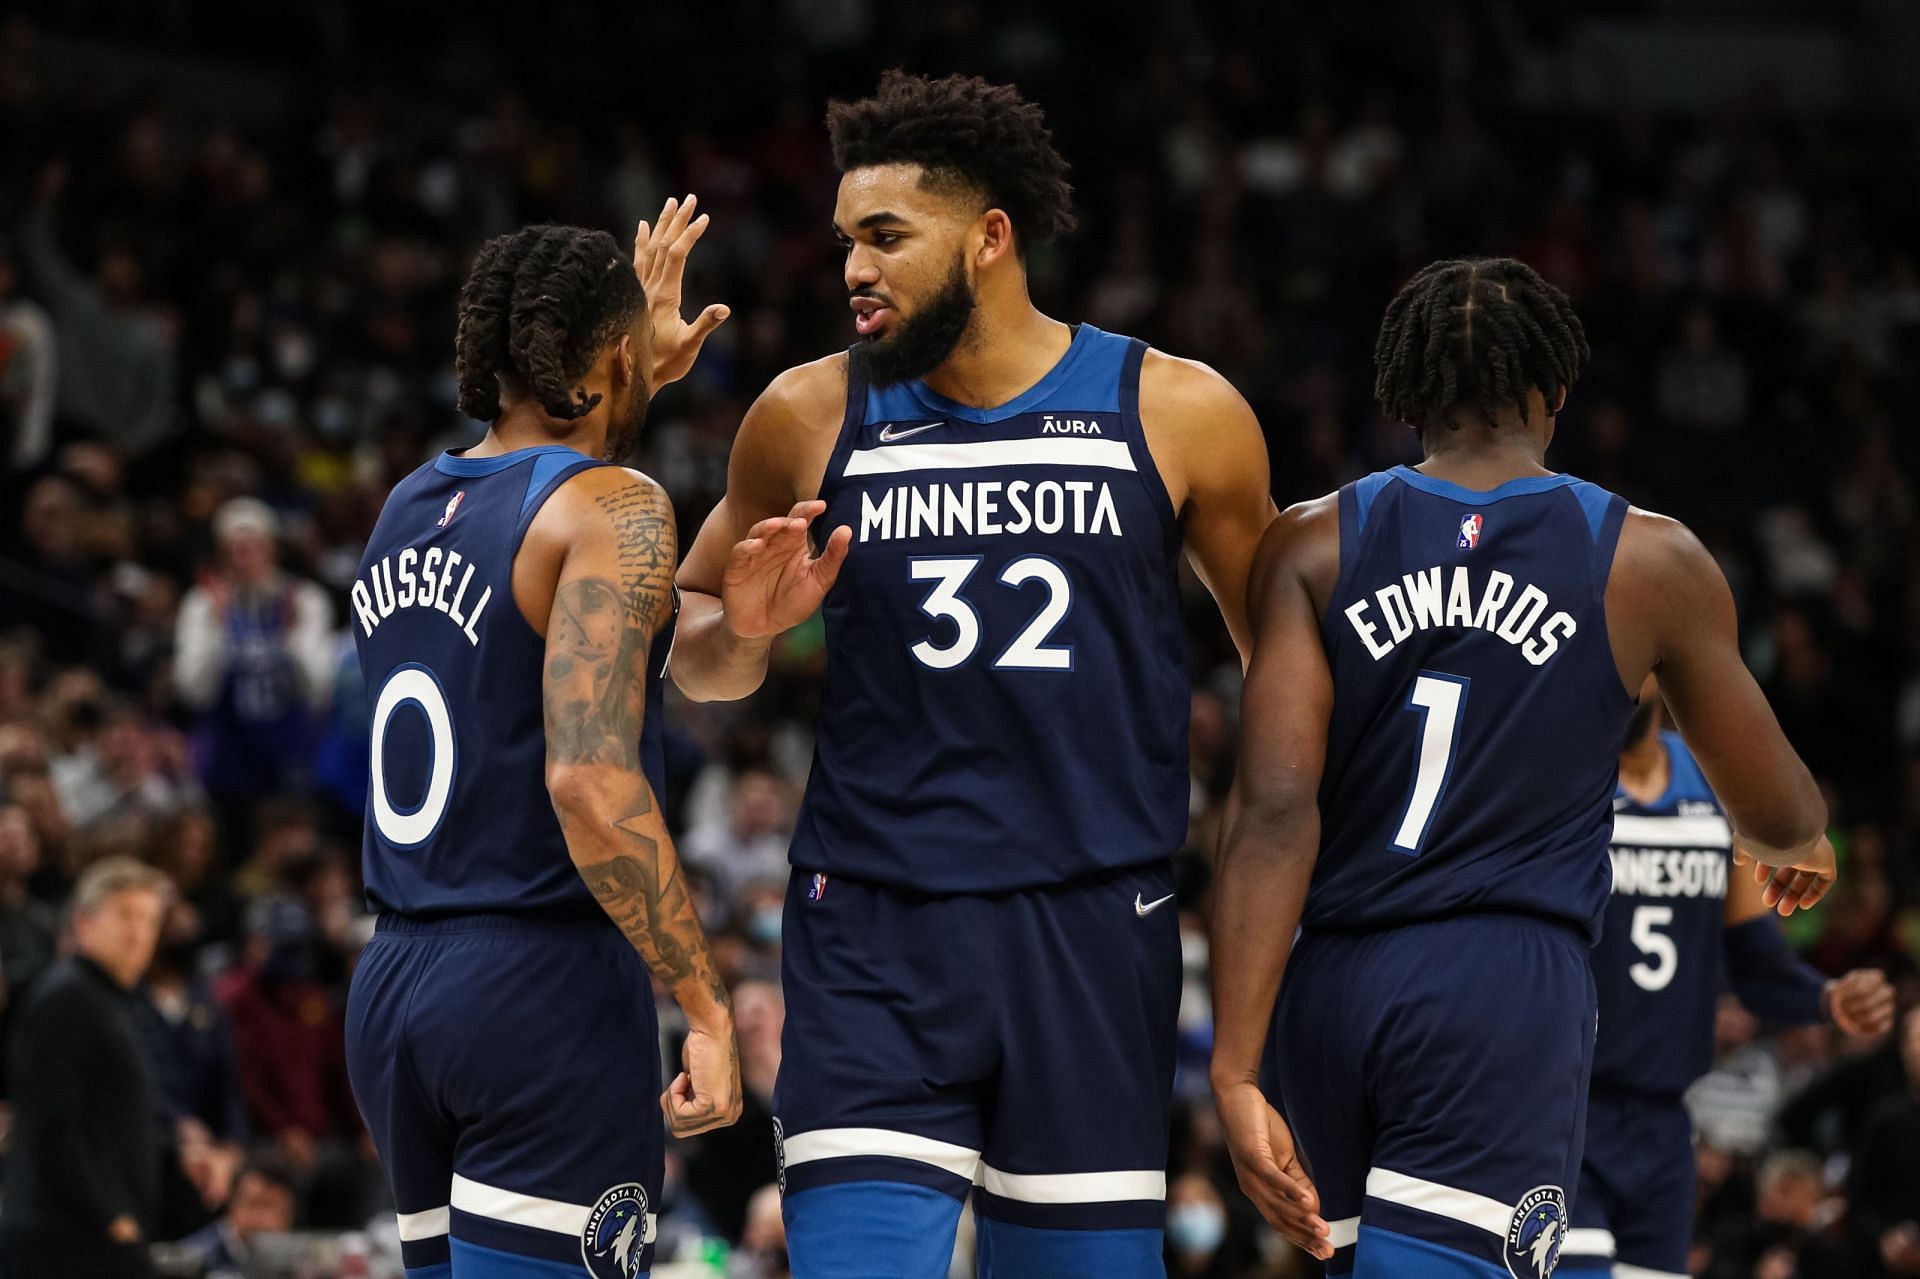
(660, 263)
(774, 580)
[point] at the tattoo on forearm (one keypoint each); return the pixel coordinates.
(595, 697)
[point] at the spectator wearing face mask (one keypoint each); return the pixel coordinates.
(255, 660)
(1197, 1230)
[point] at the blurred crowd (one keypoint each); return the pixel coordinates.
(226, 322)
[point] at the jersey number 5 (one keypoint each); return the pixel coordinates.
(1029, 650)
(1438, 698)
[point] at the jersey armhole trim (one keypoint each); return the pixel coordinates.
(530, 510)
(1606, 540)
(1143, 465)
(851, 420)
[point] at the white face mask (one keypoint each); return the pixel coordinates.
(1196, 1228)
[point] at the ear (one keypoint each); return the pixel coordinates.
(996, 238)
(625, 358)
(1559, 402)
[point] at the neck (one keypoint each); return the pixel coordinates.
(1006, 349)
(525, 425)
(1480, 456)
(1644, 768)
(106, 967)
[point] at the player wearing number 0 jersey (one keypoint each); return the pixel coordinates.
(512, 612)
(1444, 666)
(1677, 921)
(981, 959)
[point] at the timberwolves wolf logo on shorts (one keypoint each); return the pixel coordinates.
(616, 1233)
(1539, 1228)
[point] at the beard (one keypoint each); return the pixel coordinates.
(921, 342)
(623, 426)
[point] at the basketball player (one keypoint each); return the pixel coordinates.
(981, 962)
(513, 612)
(1445, 663)
(1675, 912)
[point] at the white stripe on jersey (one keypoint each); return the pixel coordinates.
(1112, 455)
(1636, 830)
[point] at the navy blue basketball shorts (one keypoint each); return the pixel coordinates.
(509, 1071)
(1435, 1076)
(1015, 1047)
(1633, 1213)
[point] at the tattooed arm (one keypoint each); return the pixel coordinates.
(612, 530)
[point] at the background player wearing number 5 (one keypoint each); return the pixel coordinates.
(981, 966)
(513, 614)
(1675, 912)
(1445, 662)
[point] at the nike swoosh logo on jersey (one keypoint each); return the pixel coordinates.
(1143, 909)
(889, 435)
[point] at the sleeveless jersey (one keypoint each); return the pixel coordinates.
(1658, 963)
(1006, 700)
(458, 816)
(1478, 714)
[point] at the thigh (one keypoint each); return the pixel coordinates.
(412, 1133)
(540, 1044)
(886, 1058)
(1478, 1065)
(1654, 1232)
(1073, 1177)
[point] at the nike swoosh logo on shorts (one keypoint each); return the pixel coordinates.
(890, 435)
(1143, 909)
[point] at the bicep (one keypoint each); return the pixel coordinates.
(1288, 700)
(1229, 503)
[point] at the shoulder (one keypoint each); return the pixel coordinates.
(1658, 551)
(788, 433)
(1187, 392)
(602, 502)
(809, 392)
(1303, 541)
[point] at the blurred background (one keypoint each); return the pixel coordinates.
(230, 239)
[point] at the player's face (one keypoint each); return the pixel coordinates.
(908, 282)
(632, 365)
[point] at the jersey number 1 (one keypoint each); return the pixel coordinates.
(1438, 699)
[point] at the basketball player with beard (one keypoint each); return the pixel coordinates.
(981, 968)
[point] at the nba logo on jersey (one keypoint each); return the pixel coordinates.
(1469, 529)
(453, 504)
(818, 889)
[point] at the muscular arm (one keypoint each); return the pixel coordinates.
(1272, 839)
(614, 592)
(1203, 431)
(1670, 611)
(778, 457)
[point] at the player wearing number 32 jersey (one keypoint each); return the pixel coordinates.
(1445, 661)
(512, 611)
(981, 956)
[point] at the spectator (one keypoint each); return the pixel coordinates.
(27, 925)
(115, 774)
(728, 1165)
(255, 659)
(48, 583)
(1790, 1233)
(751, 843)
(1196, 1229)
(263, 1203)
(117, 369)
(29, 367)
(83, 1174)
(763, 1240)
(1885, 1175)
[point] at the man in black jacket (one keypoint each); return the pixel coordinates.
(83, 1175)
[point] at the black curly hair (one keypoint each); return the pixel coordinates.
(967, 134)
(537, 307)
(1479, 330)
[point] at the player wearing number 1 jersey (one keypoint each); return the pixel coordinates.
(513, 611)
(1677, 921)
(1445, 662)
(981, 959)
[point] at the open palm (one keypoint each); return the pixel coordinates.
(774, 580)
(660, 263)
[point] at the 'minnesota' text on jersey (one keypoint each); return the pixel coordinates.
(1478, 712)
(1007, 697)
(1658, 964)
(458, 815)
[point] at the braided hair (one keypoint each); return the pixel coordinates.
(968, 134)
(537, 308)
(1475, 330)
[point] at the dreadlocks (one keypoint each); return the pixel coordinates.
(1479, 331)
(536, 309)
(968, 134)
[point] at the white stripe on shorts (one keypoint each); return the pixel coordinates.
(431, 1224)
(1588, 1242)
(1073, 1187)
(528, 1210)
(1489, 1215)
(1641, 1272)
(842, 1143)
(1344, 1232)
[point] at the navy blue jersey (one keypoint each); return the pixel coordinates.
(458, 817)
(1657, 965)
(1478, 713)
(1006, 702)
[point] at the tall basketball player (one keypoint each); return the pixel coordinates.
(981, 966)
(513, 612)
(1446, 660)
